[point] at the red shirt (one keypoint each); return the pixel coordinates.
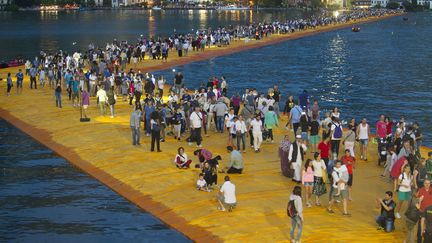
(389, 128)
(324, 149)
(427, 198)
(349, 162)
(381, 128)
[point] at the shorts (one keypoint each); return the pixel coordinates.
(75, 95)
(85, 107)
(19, 83)
(364, 141)
(314, 139)
(343, 194)
(350, 180)
(308, 183)
(404, 196)
(304, 136)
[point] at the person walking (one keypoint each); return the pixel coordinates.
(340, 176)
(135, 123)
(155, 127)
(349, 161)
(308, 181)
(363, 131)
(319, 187)
(297, 218)
(404, 190)
(336, 136)
(257, 127)
(33, 73)
(112, 98)
(350, 137)
(102, 99)
(294, 117)
(19, 81)
(85, 101)
(270, 120)
(241, 130)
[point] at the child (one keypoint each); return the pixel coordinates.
(201, 183)
(340, 187)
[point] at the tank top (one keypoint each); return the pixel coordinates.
(363, 133)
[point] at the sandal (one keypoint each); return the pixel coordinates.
(330, 210)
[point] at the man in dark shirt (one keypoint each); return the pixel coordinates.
(426, 224)
(418, 135)
(387, 211)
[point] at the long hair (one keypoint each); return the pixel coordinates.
(297, 191)
(306, 166)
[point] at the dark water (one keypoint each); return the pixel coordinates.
(385, 68)
(44, 199)
(26, 33)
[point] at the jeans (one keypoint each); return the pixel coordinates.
(220, 124)
(276, 109)
(135, 135)
(177, 130)
(386, 223)
(33, 80)
(242, 138)
(196, 135)
(112, 110)
(296, 221)
(155, 137)
(295, 127)
(270, 134)
(58, 99)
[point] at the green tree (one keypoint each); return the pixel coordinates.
(107, 3)
(393, 5)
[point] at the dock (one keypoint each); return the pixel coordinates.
(102, 148)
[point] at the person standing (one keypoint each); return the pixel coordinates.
(9, 84)
(277, 98)
(308, 181)
(19, 82)
(363, 131)
(135, 123)
(270, 120)
(155, 127)
(349, 161)
(297, 219)
(102, 99)
(381, 128)
(350, 137)
(85, 101)
(241, 130)
(257, 127)
(426, 224)
(296, 156)
(58, 95)
(404, 191)
(340, 175)
(220, 109)
(196, 121)
(425, 196)
(319, 187)
(33, 73)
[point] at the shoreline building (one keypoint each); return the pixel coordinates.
(4, 4)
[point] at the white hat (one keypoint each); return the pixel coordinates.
(298, 136)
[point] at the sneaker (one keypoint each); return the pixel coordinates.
(199, 146)
(308, 205)
(397, 215)
(272, 141)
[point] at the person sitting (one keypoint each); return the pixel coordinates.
(226, 195)
(202, 184)
(386, 219)
(236, 164)
(181, 159)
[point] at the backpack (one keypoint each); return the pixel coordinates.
(291, 209)
(338, 131)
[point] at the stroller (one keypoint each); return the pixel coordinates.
(382, 150)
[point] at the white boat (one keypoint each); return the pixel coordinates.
(156, 8)
(232, 7)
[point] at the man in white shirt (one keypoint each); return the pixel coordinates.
(196, 121)
(256, 126)
(102, 99)
(226, 196)
(340, 175)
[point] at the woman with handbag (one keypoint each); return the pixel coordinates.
(155, 126)
(320, 176)
(404, 189)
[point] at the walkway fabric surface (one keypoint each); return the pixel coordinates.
(102, 148)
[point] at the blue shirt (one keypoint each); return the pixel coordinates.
(20, 77)
(296, 114)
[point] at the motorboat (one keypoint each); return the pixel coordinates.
(405, 18)
(232, 7)
(355, 29)
(157, 8)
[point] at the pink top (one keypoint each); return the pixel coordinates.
(381, 128)
(308, 175)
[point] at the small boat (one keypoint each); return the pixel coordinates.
(12, 63)
(355, 29)
(157, 8)
(405, 18)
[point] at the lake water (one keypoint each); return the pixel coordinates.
(26, 33)
(44, 199)
(385, 68)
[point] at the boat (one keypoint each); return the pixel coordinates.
(355, 29)
(71, 7)
(232, 7)
(405, 18)
(12, 63)
(157, 8)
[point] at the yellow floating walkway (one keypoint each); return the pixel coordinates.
(102, 148)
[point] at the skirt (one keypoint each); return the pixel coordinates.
(319, 187)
